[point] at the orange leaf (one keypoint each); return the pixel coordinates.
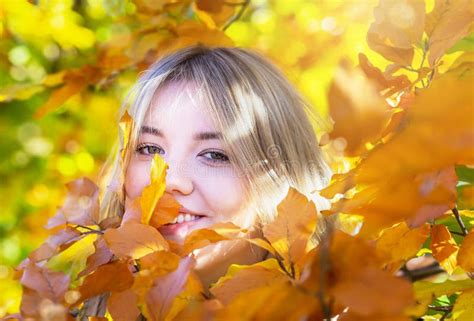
(166, 211)
(48, 284)
(123, 306)
(56, 243)
(355, 268)
(134, 240)
(398, 26)
(277, 301)
(290, 233)
(81, 205)
(112, 277)
(384, 82)
(101, 256)
(61, 95)
(400, 243)
(449, 22)
(152, 193)
(166, 289)
(465, 255)
(358, 110)
(444, 247)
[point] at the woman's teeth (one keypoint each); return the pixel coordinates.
(184, 218)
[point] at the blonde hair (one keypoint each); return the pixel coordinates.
(265, 122)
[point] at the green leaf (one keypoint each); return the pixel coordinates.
(465, 44)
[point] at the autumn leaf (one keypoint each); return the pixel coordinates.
(193, 32)
(426, 291)
(465, 258)
(75, 81)
(444, 247)
(387, 84)
(165, 291)
(215, 13)
(290, 233)
(123, 306)
(463, 309)
(448, 23)
(152, 266)
(358, 110)
(245, 278)
(101, 256)
(125, 126)
(400, 243)
(81, 205)
(72, 87)
(48, 284)
(166, 211)
(354, 268)
(112, 277)
(152, 193)
(397, 28)
(202, 237)
(134, 240)
(277, 301)
(55, 243)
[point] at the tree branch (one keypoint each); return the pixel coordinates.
(460, 221)
(421, 273)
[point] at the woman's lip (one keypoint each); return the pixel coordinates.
(178, 229)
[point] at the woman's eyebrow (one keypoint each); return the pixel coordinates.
(198, 136)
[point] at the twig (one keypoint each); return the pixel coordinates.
(238, 15)
(91, 230)
(460, 221)
(280, 260)
(457, 233)
(445, 308)
(421, 273)
(324, 262)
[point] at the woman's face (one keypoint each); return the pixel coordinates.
(200, 175)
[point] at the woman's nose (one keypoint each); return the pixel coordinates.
(178, 179)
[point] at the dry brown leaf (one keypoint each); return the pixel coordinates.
(134, 240)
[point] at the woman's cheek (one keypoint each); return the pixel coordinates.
(136, 178)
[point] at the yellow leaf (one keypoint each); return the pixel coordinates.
(426, 291)
(465, 256)
(397, 28)
(444, 247)
(152, 193)
(463, 309)
(400, 243)
(125, 126)
(446, 24)
(358, 110)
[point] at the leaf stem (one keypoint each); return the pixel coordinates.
(91, 230)
(459, 220)
(238, 15)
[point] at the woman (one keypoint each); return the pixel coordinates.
(235, 135)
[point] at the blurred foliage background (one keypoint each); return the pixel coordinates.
(47, 43)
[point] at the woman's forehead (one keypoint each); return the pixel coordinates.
(178, 104)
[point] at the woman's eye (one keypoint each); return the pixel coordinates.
(217, 157)
(148, 149)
